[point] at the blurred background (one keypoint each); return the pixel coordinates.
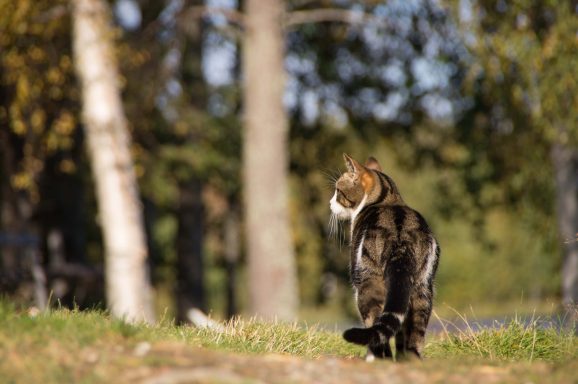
(236, 115)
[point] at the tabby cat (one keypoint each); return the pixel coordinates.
(394, 257)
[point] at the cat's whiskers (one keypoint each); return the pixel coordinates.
(331, 175)
(333, 228)
(330, 185)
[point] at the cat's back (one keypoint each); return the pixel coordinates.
(390, 227)
(393, 221)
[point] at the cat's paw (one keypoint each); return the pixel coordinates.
(408, 356)
(369, 357)
(361, 336)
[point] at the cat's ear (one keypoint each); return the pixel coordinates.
(352, 165)
(372, 163)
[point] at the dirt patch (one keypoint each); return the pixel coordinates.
(169, 364)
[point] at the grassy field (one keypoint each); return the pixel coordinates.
(72, 346)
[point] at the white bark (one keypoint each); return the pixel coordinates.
(127, 282)
(272, 270)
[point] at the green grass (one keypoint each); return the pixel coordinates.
(89, 346)
(514, 340)
(82, 328)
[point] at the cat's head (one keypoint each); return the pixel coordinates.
(359, 186)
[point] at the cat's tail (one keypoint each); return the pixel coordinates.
(361, 336)
(384, 328)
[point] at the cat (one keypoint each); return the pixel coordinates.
(393, 260)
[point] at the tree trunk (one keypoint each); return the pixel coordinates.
(565, 161)
(20, 257)
(126, 275)
(272, 274)
(190, 288)
(190, 265)
(232, 241)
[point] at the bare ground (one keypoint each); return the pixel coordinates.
(170, 364)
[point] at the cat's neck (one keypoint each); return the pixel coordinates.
(358, 209)
(391, 200)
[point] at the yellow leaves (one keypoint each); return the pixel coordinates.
(16, 121)
(51, 142)
(60, 135)
(67, 166)
(21, 12)
(19, 127)
(31, 166)
(37, 120)
(54, 142)
(55, 76)
(21, 181)
(36, 54)
(24, 181)
(23, 88)
(37, 74)
(65, 63)
(64, 124)
(12, 60)
(550, 45)
(55, 93)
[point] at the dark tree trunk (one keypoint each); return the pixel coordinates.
(62, 219)
(21, 269)
(232, 255)
(190, 290)
(190, 266)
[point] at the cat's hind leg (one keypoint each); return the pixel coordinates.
(370, 302)
(398, 277)
(421, 303)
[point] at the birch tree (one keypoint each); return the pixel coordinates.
(128, 290)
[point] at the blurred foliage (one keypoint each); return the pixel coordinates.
(38, 112)
(523, 98)
(487, 193)
(528, 47)
(522, 95)
(466, 142)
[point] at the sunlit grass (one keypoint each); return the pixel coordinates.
(237, 335)
(514, 340)
(72, 346)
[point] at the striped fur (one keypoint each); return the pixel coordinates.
(394, 258)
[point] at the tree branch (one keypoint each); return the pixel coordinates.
(292, 19)
(232, 29)
(330, 15)
(232, 15)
